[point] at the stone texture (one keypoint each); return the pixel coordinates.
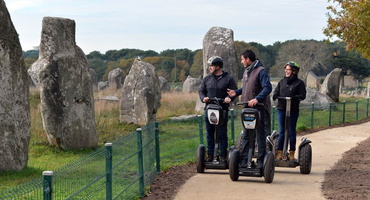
(312, 81)
(141, 94)
(219, 41)
(115, 78)
(331, 84)
(164, 85)
(94, 79)
(14, 93)
(191, 84)
(67, 102)
(102, 85)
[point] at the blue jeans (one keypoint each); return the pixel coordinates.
(211, 129)
(261, 140)
(292, 129)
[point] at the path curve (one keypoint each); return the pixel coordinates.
(327, 148)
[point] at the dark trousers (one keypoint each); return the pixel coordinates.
(292, 129)
(211, 136)
(261, 140)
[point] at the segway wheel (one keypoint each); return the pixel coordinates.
(305, 159)
(269, 168)
(201, 158)
(234, 165)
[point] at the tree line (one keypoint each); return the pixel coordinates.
(175, 65)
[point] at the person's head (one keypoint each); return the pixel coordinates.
(247, 57)
(215, 64)
(291, 68)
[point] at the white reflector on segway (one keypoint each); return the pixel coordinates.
(249, 121)
(213, 116)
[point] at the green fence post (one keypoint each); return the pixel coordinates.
(344, 112)
(273, 118)
(200, 120)
(312, 112)
(367, 107)
(140, 161)
(108, 170)
(232, 125)
(356, 110)
(157, 154)
(330, 109)
(47, 184)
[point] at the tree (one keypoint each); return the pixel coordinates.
(309, 54)
(196, 69)
(351, 24)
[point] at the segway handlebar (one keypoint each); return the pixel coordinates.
(246, 104)
(288, 98)
(216, 99)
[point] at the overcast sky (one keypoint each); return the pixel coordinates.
(158, 25)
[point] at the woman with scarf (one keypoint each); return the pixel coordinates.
(289, 86)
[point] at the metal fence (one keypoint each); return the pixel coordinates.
(122, 169)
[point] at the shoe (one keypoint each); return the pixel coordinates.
(209, 158)
(223, 159)
(260, 164)
(291, 155)
(279, 155)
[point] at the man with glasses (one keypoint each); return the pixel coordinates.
(216, 85)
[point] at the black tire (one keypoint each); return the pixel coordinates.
(234, 165)
(238, 144)
(229, 153)
(305, 159)
(269, 168)
(201, 152)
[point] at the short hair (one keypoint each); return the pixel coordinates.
(249, 54)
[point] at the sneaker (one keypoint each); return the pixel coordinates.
(209, 158)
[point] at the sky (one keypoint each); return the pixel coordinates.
(158, 25)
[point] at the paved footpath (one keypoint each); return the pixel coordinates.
(327, 148)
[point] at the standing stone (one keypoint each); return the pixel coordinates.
(368, 90)
(141, 94)
(94, 79)
(115, 78)
(191, 84)
(164, 85)
(331, 84)
(67, 102)
(220, 42)
(14, 93)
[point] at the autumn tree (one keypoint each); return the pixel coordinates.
(350, 22)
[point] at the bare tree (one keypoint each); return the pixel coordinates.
(309, 54)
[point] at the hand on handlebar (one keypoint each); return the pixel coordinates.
(227, 100)
(252, 102)
(205, 99)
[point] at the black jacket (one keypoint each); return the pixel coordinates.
(294, 88)
(216, 86)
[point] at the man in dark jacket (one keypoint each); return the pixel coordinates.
(256, 89)
(216, 85)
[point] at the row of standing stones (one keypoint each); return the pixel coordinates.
(66, 87)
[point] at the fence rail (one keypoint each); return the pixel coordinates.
(122, 169)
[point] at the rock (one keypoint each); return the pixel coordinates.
(14, 92)
(191, 84)
(331, 84)
(115, 78)
(67, 103)
(141, 94)
(94, 79)
(219, 41)
(164, 85)
(102, 85)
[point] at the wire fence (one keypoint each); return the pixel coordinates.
(124, 168)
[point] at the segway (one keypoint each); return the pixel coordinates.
(304, 149)
(251, 120)
(216, 116)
